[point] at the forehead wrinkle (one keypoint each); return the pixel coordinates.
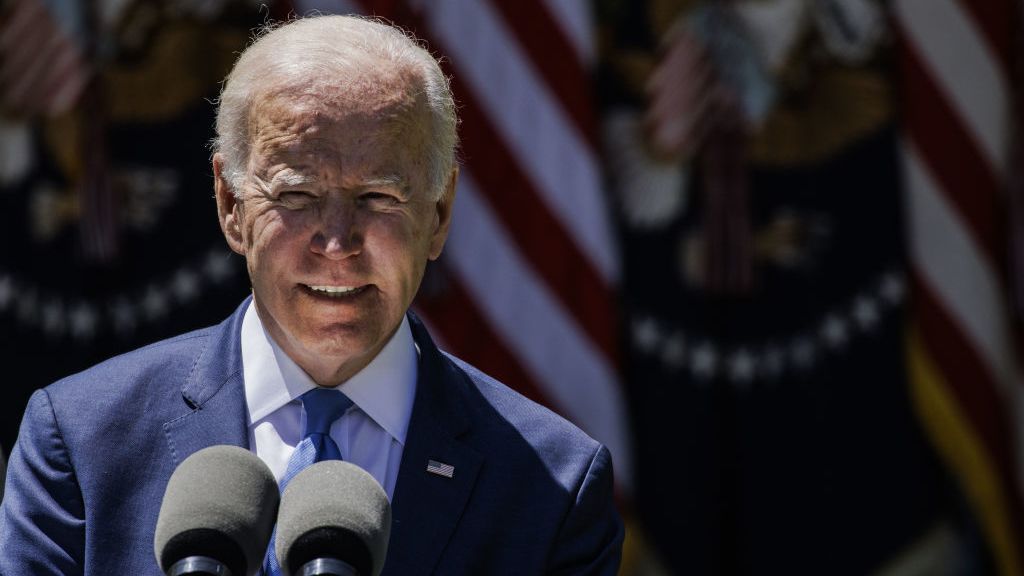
(369, 87)
(297, 126)
(371, 92)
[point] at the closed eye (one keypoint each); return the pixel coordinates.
(379, 199)
(295, 199)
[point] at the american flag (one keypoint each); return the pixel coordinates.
(440, 468)
(956, 64)
(43, 69)
(531, 263)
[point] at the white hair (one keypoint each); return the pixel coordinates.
(323, 51)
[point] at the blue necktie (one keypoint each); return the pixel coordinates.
(323, 406)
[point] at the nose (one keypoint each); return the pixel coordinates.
(338, 234)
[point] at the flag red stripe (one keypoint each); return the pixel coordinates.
(995, 21)
(23, 17)
(25, 90)
(970, 380)
(33, 50)
(549, 52)
(71, 75)
(454, 314)
(541, 238)
(951, 155)
(545, 44)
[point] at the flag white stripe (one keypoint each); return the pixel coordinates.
(562, 166)
(574, 374)
(956, 269)
(576, 20)
(964, 66)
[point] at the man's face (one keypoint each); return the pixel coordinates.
(336, 223)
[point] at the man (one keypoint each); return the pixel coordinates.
(335, 179)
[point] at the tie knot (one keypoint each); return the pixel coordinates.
(323, 406)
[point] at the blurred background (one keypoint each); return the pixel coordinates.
(768, 251)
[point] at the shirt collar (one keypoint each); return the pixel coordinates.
(384, 389)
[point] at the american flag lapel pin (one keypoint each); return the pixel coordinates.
(440, 468)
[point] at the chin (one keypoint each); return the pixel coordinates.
(340, 340)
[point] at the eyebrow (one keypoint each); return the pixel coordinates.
(391, 181)
(289, 178)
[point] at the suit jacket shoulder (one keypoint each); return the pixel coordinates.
(95, 451)
(147, 374)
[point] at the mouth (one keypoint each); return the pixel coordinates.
(337, 292)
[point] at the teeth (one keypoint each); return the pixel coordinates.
(334, 290)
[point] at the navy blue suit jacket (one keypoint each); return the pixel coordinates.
(531, 494)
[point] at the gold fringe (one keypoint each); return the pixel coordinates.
(964, 453)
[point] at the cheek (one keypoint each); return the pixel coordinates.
(276, 227)
(402, 234)
(407, 249)
(271, 239)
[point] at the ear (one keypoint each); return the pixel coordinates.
(444, 215)
(229, 208)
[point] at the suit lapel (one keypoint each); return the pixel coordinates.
(427, 506)
(213, 396)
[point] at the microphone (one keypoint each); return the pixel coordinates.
(217, 514)
(334, 520)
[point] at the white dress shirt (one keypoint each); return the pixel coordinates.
(371, 434)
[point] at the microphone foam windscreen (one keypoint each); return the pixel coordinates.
(220, 502)
(334, 509)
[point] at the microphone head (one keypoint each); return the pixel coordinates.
(334, 509)
(221, 503)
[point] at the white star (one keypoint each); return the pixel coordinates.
(53, 317)
(154, 304)
(803, 352)
(742, 366)
(892, 288)
(6, 291)
(865, 312)
(673, 353)
(83, 321)
(835, 331)
(123, 316)
(646, 334)
(185, 285)
(704, 361)
(218, 266)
